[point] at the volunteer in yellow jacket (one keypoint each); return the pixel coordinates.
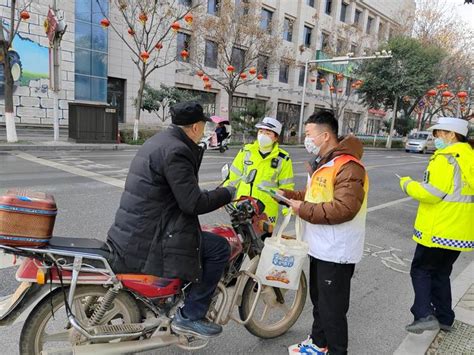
(273, 164)
(444, 223)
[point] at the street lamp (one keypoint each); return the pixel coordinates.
(342, 60)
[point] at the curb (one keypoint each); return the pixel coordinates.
(418, 344)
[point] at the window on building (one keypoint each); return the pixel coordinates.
(344, 8)
(210, 58)
(288, 29)
(187, 3)
(242, 7)
(183, 43)
(340, 46)
(324, 41)
(381, 32)
(319, 85)
(91, 52)
(354, 48)
(357, 17)
(284, 72)
(262, 65)
(213, 7)
(307, 36)
(370, 21)
(238, 58)
(206, 99)
(310, 3)
(301, 77)
(266, 20)
(328, 7)
(288, 115)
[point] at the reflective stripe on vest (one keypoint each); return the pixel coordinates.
(452, 242)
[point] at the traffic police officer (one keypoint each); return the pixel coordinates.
(273, 164)
(444, 224)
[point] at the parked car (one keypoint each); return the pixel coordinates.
(420, 142)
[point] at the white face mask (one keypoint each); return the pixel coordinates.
(310, 146)
(264, 142)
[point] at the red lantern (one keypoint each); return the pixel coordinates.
(339, 91)
(462, 94)
(259, 77)
(354, 86)
(105, 23)
(431, 93)
(200, 73)
(184, 54)
(144, 55)
(158, 46)
(253, 71)
(205, 78)
(243, 76)
(312, 80)
(230, 68)
(322, 80)
(25, 15)
(189, 19)
(447, 94)
(331, 88)
(175, 26)
(131, 32)
(207, 86)
(143, 17)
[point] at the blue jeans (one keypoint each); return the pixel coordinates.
(430, 272)
(215, 253)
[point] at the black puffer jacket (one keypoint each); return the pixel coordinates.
(156, 229)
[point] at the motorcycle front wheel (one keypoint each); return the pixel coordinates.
(44, 330)
(277, 308)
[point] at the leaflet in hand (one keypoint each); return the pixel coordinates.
(276, 195)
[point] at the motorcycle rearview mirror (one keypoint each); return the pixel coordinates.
(251, 176)
(225, 172)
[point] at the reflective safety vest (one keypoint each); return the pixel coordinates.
(275, 171)
(445, 216)
(339, 243)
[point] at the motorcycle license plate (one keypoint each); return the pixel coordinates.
(8, 260)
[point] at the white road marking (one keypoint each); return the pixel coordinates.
(388, 204)
(73, 170)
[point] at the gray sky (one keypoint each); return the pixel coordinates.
(466, 12)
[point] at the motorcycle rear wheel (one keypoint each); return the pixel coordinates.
(39, 333)
(291, 309)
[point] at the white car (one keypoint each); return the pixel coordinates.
(420, 142)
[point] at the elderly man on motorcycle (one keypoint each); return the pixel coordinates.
(156, 229)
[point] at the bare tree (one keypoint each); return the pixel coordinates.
(240, 40)
(151, 27)
(8, 32)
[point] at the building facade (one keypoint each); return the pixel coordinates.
(97, 66)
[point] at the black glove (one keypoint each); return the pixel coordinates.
(232, 190)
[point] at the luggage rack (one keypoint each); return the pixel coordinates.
(58, 258)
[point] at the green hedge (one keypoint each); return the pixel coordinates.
(126, 135)
(368, 142)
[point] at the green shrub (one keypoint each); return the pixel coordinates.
(126, 135)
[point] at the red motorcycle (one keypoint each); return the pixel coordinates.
(72, 302)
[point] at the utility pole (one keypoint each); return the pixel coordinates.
(392, 123)
(55, 80)
(344, 60)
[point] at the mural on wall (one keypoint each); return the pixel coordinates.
(29, 61)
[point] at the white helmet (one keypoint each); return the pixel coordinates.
(270, 123)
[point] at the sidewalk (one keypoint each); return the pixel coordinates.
(461, 339)
(41, 138)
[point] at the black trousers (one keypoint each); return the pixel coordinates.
(430, 272)
(329, 287)
(215, 253)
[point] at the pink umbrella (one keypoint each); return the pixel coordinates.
(217, 119)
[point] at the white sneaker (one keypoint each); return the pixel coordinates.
(307, 347)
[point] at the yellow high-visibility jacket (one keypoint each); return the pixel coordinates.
(275, 171)
(445, 216)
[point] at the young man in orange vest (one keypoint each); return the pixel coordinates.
(334, 208)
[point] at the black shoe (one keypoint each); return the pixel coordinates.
(422, 324)
(201, 328)
(445, 327)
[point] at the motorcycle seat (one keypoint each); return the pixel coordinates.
(81, 245)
